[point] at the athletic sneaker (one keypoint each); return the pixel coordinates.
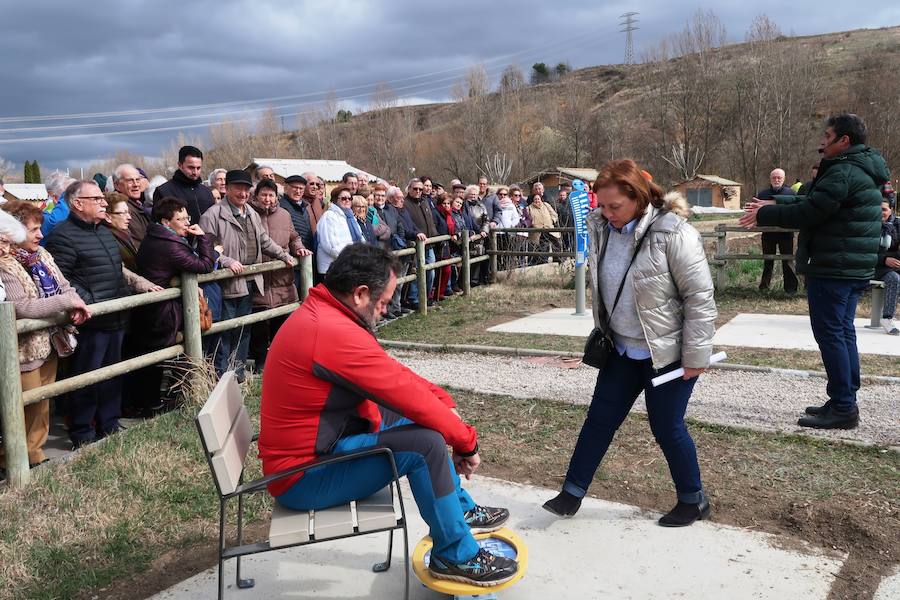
(484, 519)
(484, 569)
(889, 327)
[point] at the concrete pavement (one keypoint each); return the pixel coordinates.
(746, 330)
(607, 551)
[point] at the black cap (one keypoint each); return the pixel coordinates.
(296, 179)
(238, 176)
(265, 183)
(459, 186)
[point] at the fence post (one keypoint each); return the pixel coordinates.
(493, 247)
(306, 276)
(465, 267)
(721, 250)
(421, 281)
(17, 472)
(190, 305)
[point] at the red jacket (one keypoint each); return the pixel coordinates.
(325, 376)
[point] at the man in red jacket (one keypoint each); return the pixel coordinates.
(326, 387)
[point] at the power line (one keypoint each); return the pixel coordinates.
(415, 89)
(168, 109)
(627, 25)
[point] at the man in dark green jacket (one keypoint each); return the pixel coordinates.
(840, 226)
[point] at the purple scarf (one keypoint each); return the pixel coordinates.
(43, 279)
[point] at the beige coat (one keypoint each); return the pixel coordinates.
(34, 347)
(543, 218)
(224, 227)
(673, 288)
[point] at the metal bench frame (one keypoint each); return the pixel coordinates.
(259, 485)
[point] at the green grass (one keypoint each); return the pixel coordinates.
(108, 513)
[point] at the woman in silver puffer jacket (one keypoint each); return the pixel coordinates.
(663, 319)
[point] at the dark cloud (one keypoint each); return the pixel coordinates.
(132, 55)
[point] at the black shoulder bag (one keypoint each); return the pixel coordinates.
(599, 343)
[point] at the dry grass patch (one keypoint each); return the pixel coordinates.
(105, 515)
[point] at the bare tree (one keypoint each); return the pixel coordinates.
(478, 125)
(511, 80)
(686, 162)
(497, 168)
(391, 135)
(574, 119)
(6, 168)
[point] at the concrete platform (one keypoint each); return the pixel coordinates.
(557, 321)
(794, 332)
(746, 330)
(607, 551)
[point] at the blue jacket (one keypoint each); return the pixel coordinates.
(54, 217)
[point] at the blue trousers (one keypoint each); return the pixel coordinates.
(429, 278)
(832, 307)
(234, 344)
(421, 455)
(96, 408)
(618, 386)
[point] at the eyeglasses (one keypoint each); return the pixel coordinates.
(503, 193)
(132, 180)
(313, 184)
(345, 197)
(517, 195)
(97, 199)
(417, 189)
(118, 212)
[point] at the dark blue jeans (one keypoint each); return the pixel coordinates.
(832, 307)
(421, 455)
(96, 408)
(618, 386)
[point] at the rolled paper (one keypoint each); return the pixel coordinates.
(667, 377)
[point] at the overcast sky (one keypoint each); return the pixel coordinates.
(149, 59)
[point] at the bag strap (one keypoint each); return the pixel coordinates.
(625, 276)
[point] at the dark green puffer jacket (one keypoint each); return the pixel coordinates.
(839, 218)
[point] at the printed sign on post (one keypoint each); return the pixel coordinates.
(580, 205)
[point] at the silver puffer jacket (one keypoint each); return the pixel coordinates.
(673, 289)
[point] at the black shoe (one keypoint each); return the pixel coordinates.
(76, 445)
(430, 303)
(484, 519)
(831, 418)
(685, 514)
(818, 410)
(564, 505)
(484, 569)
(37, 464)
(405, 311)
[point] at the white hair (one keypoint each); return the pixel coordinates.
(12, 228)
(393, 191)
(56, 183)
(412, 181)
(118, 173)
(472, 188)
(212, 176)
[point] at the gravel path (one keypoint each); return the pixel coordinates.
(757, 400)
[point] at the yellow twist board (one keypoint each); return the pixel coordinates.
(504, 539)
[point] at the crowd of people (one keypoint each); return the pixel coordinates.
(110, 237)
(106, 238)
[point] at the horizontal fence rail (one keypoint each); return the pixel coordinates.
(186, 287)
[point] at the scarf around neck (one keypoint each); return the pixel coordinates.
(355, 231)
(43, 279)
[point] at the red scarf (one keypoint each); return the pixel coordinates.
(448, 216)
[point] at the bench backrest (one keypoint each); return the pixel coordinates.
(227, 432)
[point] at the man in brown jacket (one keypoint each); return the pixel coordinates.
(279, 288)
(244, 240)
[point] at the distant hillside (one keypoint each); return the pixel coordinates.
(736, 111)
